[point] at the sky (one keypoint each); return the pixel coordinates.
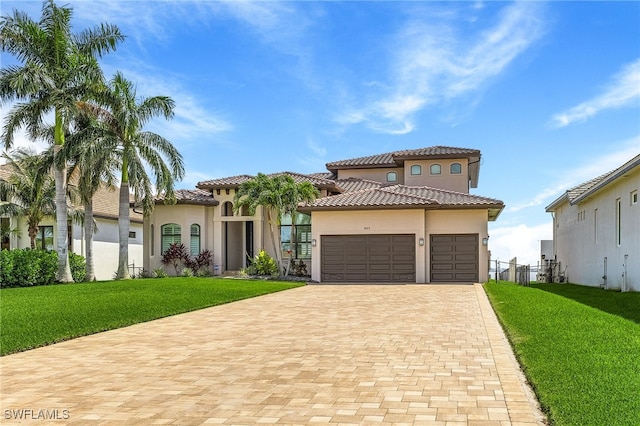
(549, 92)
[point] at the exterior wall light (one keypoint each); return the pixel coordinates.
(485, 241)
(420, 241)
(313, 242)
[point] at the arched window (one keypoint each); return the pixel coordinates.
(435, 169)
(416, 169)
(455, 168)
(392, 177)
(171, 233)
(194, 245)
(227, 208)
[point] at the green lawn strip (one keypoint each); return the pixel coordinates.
(38, 316)
(583, 363)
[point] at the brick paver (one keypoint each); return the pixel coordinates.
(414, 354)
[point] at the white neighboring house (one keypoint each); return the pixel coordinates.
(596, 230)
(105, 240)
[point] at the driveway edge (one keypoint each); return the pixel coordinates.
(522, 404)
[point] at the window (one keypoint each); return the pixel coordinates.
(5, 233)
(618, 221)
(296, 238)
(435, 169)
(455, 169)
(194, 245)
(416, 169)
(227, 209)
(392, 177)
(595, 225)
(132, 234)
(634, 198)
(153, 240)
(171, 233)
(44, 238)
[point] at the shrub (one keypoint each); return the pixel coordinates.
(187, 272)
(78, 267)
(26, 267)
(159, 273)
(201, 262)
(175, 255)
(263, 264)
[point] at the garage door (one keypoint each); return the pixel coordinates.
(368, 258)
(454, 258)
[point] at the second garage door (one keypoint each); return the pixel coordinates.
(454, 258)
(368, 258)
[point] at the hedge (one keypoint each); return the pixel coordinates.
(26, 267)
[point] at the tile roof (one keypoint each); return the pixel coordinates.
(400, 196)
(356, 184)
(395, 158)
(579, 192)
(105, 201)
(236, 181)
(226, 182)
(192, 196)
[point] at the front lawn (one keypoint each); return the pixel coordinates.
(37, 316)
(579, 347)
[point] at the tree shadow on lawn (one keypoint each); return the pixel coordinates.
(625, 305)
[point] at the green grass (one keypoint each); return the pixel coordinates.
(579, 347)
(38, 316)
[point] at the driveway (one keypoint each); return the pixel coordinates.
(397, 354)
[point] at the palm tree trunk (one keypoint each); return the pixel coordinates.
(63, 274)
(276, 250)
(88, 238)
(123, 232)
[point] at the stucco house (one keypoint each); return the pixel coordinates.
(105, 240)
(596, 230)
(404, 216)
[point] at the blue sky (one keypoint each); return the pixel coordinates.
(548, 91)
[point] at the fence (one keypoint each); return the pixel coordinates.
(135, 271)
(514, 272)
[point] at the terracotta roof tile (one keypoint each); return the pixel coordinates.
(105, 201)
(355, 184)
(402, 196)
(192, 196)
(222, 183)
(395, 158)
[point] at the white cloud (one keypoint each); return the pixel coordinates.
(433, 64)
(521, 241)
(622, 91)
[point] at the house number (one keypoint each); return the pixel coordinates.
(367, 227)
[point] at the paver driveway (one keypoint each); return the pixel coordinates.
(414, 354)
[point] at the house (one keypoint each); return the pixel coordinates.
(596, 231)
(105, 240)
(405, 216)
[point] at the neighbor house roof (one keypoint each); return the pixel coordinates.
(105, 201)
(400, 196)
(397, 158)
(584, 190)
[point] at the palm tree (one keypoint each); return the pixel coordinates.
(138, 151)
(93, 166)
(29, 191)
(278, 195)
(58, 69)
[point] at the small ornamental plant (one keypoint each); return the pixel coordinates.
(176, 255)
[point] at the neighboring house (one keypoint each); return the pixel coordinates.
(403, 216)
(596, 230)
(105, 240)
